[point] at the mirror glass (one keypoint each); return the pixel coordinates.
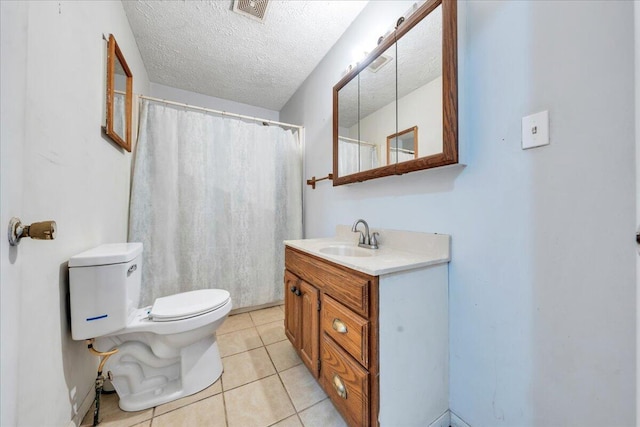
(408, 82)
(119, 96)
(403, 146)
(348, 129)
(377, 108)
(420, 82)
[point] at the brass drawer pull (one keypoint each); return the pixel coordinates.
(339, 386)
(339, 326)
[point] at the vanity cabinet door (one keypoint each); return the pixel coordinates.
(292, 308)
(302, 319)
(309, 327)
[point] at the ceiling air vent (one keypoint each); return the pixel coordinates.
(378, 63)
(254, 9)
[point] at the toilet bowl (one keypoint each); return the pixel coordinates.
(165, 351)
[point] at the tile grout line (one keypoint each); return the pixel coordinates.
(234, 331)
(224, 404)
(239, 329)
(223, 391)
(259, 336)
(250, 382)
(246, 349)
(295, 410)
(269, 356)
(153, 415)
(275, 371)
(326, 396)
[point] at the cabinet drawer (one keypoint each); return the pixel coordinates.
(347, 286)
(347, 329)
(346, 383)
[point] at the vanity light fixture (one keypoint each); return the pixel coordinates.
(399, 22)
(358, 57)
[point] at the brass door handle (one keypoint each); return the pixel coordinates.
(44, 230)
(338, 384)
(339, 326)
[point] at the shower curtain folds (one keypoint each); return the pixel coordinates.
(212, 200)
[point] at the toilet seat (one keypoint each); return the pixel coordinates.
(188, 304)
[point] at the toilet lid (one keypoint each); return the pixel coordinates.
(188, 304)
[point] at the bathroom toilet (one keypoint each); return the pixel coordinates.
(165, 351)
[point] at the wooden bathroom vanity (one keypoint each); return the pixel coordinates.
(372, 325)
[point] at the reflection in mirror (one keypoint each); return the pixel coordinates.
(377, 107)
(420, 82)
(403, 146)
(119, 96)
(348, 130)
(420, 91)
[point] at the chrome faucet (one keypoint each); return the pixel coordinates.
(366, 240)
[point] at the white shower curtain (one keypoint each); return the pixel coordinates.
(119, 114)
(212, 200)
(354, 157)
(400, 156)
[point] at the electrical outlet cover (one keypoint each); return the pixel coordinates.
(535, 130)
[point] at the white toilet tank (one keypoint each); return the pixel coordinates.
(104, 283)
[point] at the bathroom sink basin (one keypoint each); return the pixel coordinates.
(346, 250)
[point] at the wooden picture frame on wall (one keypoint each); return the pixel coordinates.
(390, 138)
(118, 71)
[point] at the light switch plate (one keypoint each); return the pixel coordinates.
(535, 130)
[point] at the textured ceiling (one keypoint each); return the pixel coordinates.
(204, 47)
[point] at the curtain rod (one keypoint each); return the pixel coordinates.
(404, 150)
(358, 141)
(224, 113)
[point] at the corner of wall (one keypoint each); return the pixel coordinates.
(456, 421)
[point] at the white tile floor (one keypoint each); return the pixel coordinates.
(264, 384)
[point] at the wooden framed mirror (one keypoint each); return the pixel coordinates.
(408, 81)
(119, 96)
(402, 146)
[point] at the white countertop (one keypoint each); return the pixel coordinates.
(398, 250)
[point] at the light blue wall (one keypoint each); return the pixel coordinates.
(542, 278)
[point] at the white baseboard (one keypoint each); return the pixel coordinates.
(84, 408)
(456, 421)
(255, 307)
(443, 420)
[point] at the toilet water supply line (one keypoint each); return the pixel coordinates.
(100, 378)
